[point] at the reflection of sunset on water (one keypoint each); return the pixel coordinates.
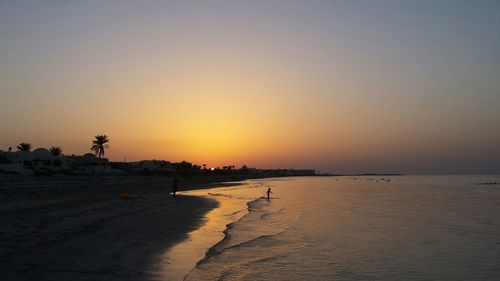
(180, 259)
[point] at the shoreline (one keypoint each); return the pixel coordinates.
(186, 255)
(78, 228)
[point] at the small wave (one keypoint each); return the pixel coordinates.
(266, 259)
(253, 240)
(226, 233)
(235, 212)
(220, 194)
(228, 273)
(215, 249)
(266, 215)
(239, 245)
(224, 275)
(224, 243)
(225, 195)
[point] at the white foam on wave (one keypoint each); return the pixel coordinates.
(234, 204)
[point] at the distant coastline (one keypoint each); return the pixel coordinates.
(377, 174)
(45, 162)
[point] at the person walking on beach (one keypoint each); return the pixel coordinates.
(175, 184)
(268, 192)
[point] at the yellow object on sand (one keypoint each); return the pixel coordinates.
(126, 195)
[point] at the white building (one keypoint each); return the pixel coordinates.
(152, 166)
(41, 159)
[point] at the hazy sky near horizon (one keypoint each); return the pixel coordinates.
(341, 86)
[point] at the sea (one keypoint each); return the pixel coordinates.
(346, 228)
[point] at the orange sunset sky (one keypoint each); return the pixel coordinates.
(340, 86)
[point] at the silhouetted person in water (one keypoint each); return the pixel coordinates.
(175, 184)
(268, 192)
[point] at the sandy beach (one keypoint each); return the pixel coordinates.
(78, 228)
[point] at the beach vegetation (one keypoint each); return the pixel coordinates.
(56, 150)
(99, 145)
(24, 146)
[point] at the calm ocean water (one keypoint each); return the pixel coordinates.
(358, 228)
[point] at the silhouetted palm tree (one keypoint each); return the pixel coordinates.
(99, 145)
(24, 146)
(56, 150)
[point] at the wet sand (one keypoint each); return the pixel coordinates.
(78, 228)
(184, 256)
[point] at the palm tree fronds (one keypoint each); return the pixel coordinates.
(99, 145)
(56, 150)
(24, 146)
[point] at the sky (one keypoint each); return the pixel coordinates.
(339, 86)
